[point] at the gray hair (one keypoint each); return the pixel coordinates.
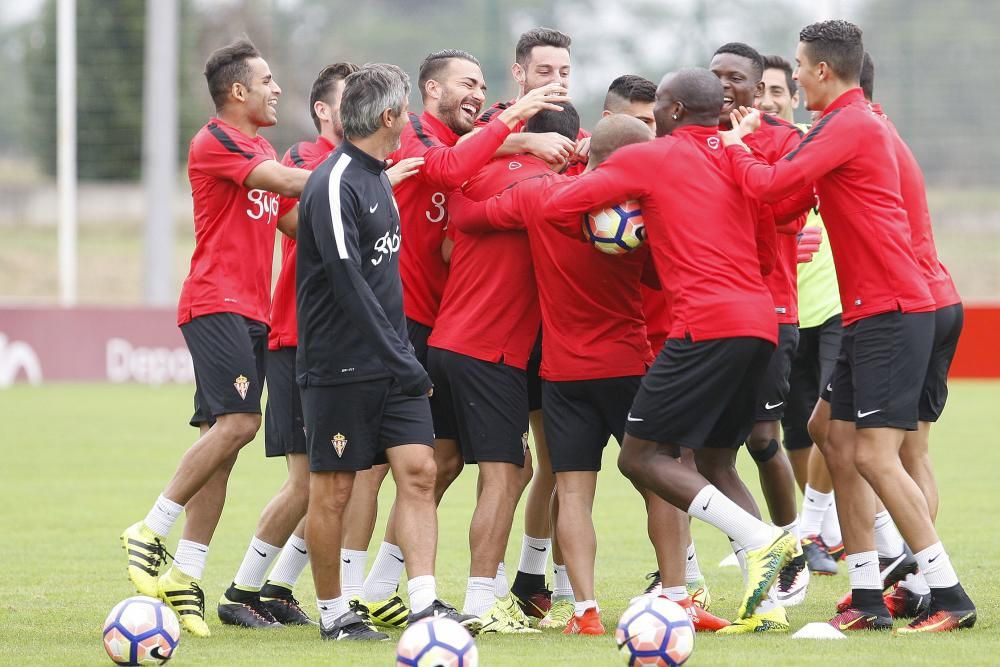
(369, 92)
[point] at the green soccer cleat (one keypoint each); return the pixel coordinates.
(560, 612)
(763, 567)
(773, 620)
(184, 596)
(514, 610)
(499, 620)
(146, 555)
(391, 613)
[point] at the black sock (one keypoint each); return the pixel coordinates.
(869, 601)
(526, 584)
(953, 597)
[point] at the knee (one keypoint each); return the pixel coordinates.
(817, 430)
(330, 497)
(449, 469)
(870, 462)
(629, 463)
(238, 428)
(419, 477)
(525, 475)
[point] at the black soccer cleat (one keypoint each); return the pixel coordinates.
(283, 606)
(352, 626)
(245, 609)
(894, 570)
(439, 609)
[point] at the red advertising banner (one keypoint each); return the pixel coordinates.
(144, 345)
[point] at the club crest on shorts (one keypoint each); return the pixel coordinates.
(524, 442)
(242, 385)
(339, 443)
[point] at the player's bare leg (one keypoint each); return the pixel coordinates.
(777, 480)
(915, 455)
(575, 529)
(415, 513)
(362, 508)
(799, 460)
(539, 537)
(448, 458)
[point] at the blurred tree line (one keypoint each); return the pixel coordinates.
(924, 52)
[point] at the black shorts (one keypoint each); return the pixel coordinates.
(444, 417)
(812, 366)
(880, 372)
(580, 417)
(773, 392)
(947, 329)
(490, 404)
(284, 430)
(349, 426)
(534, 379)
(229, 353)
(701, 394)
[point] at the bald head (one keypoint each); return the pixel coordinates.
(688, 97)
(614, 131)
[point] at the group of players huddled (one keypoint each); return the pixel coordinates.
(437, 296)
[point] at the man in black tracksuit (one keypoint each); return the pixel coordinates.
(364, 394)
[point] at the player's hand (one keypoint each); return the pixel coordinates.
(809, 241)
(581, 152)
(534, 101)
(403, 169)
(745, 121)
(551, 147)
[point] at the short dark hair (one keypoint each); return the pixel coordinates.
(436, 62)
(631, 88)
(745, 51)
(565, 122)
(539, 37)
(837, 43)
(777, 62)
(867, 77)
(228, 65)
(325, 82)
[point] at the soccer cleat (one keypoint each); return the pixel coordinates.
(536, 604)
(855, 619)
(513, 609)
(146, 554)
(244, 609)
(587, 624)
(498, 620)
(698, 590)
(904, 603)
(283, 606)
(186, 599)
(559, 614)
(700, 618)
(389, 613)
(940, 620)
(772, 620)
(837, 552)
(654, 587)
(817, 558)
(793, 582)
(763, 566)
(439, 609)
(351, 626)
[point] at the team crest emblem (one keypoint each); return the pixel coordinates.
(713, 143)
(514, 165)
(524, 441)
(339, 443)
(242, 385)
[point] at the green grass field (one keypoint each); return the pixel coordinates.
(82, 462)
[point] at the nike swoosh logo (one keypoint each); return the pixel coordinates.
(156, 655)
(892, 566)
(301, 551)
(372, 209)
(690, 557)
(707, 504)
(812, 500)
(846, 626)
(635, 419)
(857, 565)
(260, 553)
(829, 387)
(346, 560)
(542, 549)
(768, 406)
(862, 415)
(396, 557)
(931, 560)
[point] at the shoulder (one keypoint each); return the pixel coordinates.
(416, 131)
(298, 155)
(491, 113)
(780, 125)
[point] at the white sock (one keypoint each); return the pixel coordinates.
(383, 580)
(935, 565)
(712, 506)
(190, 558)
(256, 562)
(675, 593)
(331, 610)
(814, 508)
(863, 570)
(293, 559)
(163, 515)
(479, 596)
(580, 607)
(534, 554)
(422, 591)
(562, 587)
(352, 574)
(741, 558)
(691, 570)
(888, 541)
(501, 583)
(792, 528)
(831, 526)
(916, 583)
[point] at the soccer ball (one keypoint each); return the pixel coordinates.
(655, 632)
(141, 631)
(436, 642)
(616, 230)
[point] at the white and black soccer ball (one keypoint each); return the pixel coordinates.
(436, 642)
(617, 229)
(141, 631)
(655, 632)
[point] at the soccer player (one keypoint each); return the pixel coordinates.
(701, 390)
(740, 68)
(888, 317)
(633, 96)
(589, 301)
(236, 183)
(363, 391)
(453, 89)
